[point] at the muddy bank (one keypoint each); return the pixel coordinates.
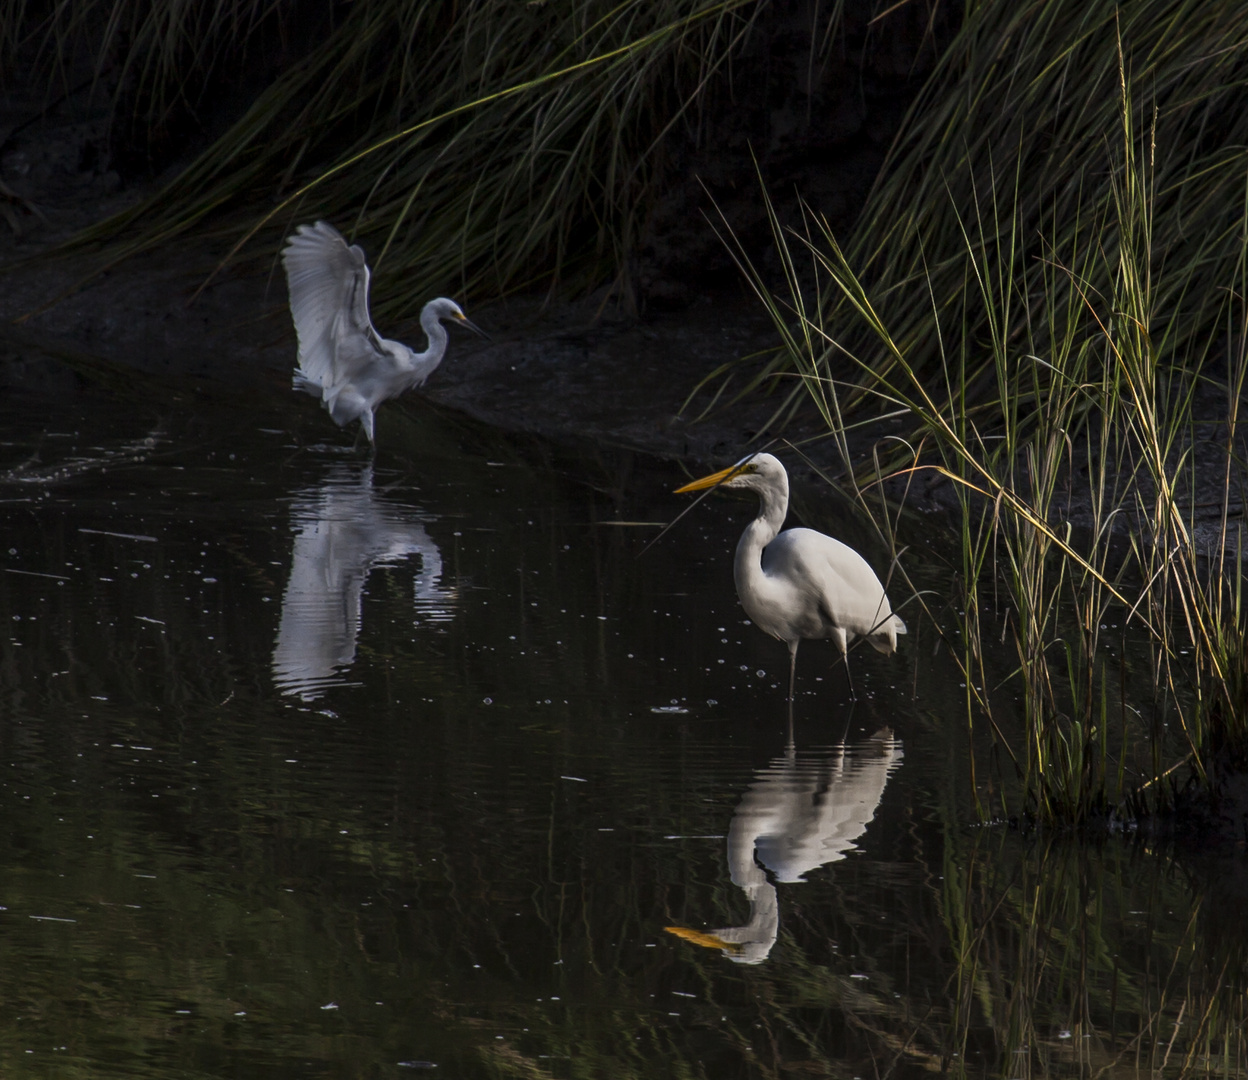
(565, 372)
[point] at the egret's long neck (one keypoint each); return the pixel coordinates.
(773, 505)
(436, 333)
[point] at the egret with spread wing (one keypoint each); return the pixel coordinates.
(342, 358)
(800, 583)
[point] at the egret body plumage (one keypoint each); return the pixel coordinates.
(800, 583)
(342, 359)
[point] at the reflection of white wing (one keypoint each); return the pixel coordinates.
(803, 814)
(799, 815)
(342, 531)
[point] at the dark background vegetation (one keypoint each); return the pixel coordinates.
(130, 96)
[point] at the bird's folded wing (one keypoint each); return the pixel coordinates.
(851, 595)
(328, 282)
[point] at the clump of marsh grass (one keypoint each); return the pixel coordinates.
(492, 145)
(1019, 113)
(1063, 413)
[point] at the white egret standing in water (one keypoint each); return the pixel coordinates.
(800, 583)
(342, 358)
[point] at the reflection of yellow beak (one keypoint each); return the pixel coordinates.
(696, 937)
(709, 481)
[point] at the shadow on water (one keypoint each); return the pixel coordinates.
(312, 768)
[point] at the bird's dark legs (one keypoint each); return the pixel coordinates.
(849, 719)
(848, 676)
(792, 670)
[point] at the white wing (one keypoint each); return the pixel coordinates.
(328, 284)
(848, 592)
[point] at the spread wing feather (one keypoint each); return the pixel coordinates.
(328, 283)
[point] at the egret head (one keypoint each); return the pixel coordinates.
(442, 308)
(756, 472)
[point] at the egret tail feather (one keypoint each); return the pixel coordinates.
(308, 386)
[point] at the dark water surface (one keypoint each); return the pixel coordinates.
(312, 767)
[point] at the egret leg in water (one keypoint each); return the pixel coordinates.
(800, 583)
(342, 359)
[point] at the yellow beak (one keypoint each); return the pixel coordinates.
(709, 481)
(707, 941)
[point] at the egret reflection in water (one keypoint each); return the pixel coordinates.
(801, 813)
(343, 530)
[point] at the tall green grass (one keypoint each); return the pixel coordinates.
(1021, 114)
(1061, 407)
(492, 145)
